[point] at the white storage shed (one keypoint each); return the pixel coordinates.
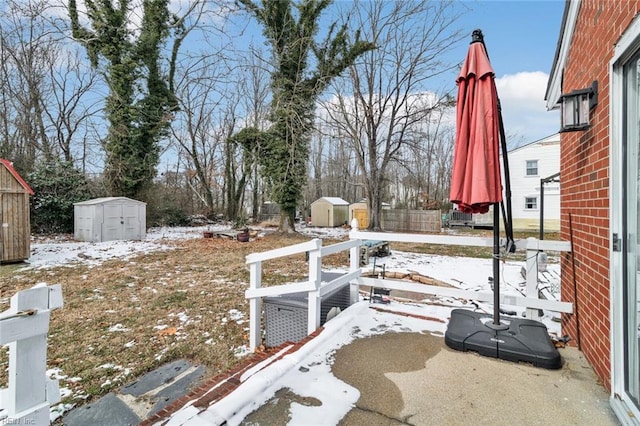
(110, 218)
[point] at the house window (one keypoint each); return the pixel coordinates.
(532, 168)
(531, 203)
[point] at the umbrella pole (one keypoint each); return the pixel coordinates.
(496, 324)
(496, 264)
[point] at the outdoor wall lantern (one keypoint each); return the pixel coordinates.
(576, 108)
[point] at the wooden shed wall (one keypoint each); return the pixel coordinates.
(15, 225)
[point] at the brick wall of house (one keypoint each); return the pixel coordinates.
(584, 168)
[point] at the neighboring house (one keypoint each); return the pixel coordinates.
(528, 165)
(329, 211)
(600, 42)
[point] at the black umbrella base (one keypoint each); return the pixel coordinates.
(518, 340)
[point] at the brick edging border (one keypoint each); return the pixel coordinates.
(221, 385)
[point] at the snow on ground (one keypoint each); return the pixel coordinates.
(46, 253)
(355, 322)
(63, 252)
(465, 273)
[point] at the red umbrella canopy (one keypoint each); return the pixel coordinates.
(476, 182)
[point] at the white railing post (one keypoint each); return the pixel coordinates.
(315, 277)
(354, 265)
(255, 306)
(24, 327)
(532, 280)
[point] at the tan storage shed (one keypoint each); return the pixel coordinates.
(15, 219)
(110, 218)
(360, 212)
(329, 211)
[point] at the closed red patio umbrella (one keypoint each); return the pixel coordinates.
(475, 182)
(475, 186)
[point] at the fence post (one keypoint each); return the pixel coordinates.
(354, 265)
(24, 328)
(315, 276)
(532, 279)
(255, 306)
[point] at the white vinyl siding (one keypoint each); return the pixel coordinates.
(542, 158)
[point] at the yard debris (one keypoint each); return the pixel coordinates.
(170, 331)
(560, 342)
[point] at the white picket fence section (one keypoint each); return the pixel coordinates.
(24, 327)
(315, 288)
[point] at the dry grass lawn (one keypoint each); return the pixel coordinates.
(127, 317)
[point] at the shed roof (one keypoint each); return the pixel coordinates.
(336, 201)
(364, 200)
(15, 174)
(105, 200)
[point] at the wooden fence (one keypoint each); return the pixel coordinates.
(24, 328)
(396, 220)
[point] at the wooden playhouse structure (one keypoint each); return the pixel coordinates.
(360, 212)
(15, 219)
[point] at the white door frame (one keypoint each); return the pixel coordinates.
(629, 43)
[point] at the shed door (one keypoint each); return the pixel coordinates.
(362, 216)
(121, 222)
(112, 222)
(131, 218)
(14, 229)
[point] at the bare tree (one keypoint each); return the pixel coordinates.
(46, 109)
(194, 132)
(26, 45)
(69, 108)
(332, 166)
(253, 87)
(392, 100)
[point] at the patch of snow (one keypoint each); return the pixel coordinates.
(241, 351)
(118, 328)
(58, 410)
(236, 316)
(55, 374)
(464, 273)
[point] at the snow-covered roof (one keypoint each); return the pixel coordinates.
(549, 140)
(336, 201)
(104, 200)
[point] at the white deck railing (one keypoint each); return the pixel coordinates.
(313, 285)
(532, 246)
(24, 327)
(315, 288)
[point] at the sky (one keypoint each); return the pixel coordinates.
(521, 39)
(464, 273)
